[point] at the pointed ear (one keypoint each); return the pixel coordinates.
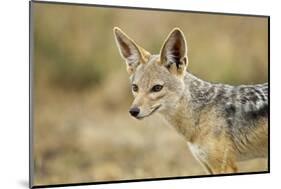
(173, 54)
(130, 51)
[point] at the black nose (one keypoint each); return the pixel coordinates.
(134, 111)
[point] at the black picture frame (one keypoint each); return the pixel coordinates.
(31, 40)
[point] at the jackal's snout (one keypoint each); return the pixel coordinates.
(134, 111)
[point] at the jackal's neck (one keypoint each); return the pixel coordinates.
(198, 92)
(184, 116)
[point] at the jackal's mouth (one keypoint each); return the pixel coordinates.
(154, 110)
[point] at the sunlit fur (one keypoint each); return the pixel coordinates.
(222, 124)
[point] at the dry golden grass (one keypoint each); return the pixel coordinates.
(87, 137)
(82, 128)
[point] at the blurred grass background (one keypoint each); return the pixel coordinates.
(82, 129)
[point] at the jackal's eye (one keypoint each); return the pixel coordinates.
(135, 88)
(156, 88)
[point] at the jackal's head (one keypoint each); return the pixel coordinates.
(156, 80)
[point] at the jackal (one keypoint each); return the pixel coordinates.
(222, 124)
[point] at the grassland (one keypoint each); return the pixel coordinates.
(82, 129)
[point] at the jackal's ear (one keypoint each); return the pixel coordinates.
(173, 54)
(130, 51)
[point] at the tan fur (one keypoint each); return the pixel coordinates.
(205, 132)
(221, 158)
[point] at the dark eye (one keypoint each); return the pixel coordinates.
(156, 88)
(135, 88)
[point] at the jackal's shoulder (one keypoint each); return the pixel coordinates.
(248, 100)
(235, 102)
